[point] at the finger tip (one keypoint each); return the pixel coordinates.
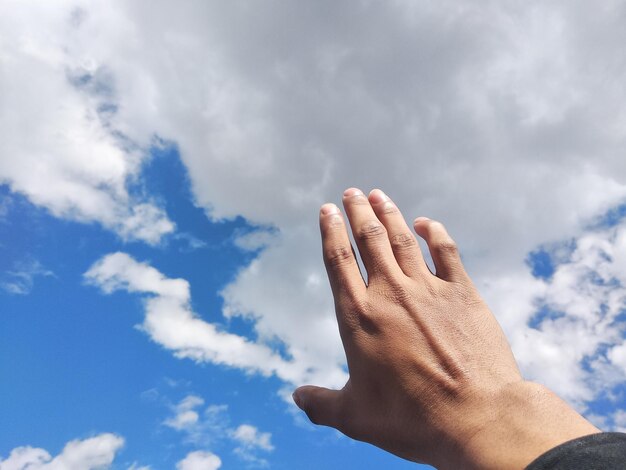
(377, 196)
(329, 208)
(420, 220)
(297, 397)
(352, 192)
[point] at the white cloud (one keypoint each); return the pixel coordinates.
(95, 453)
(212, 425)
(250, 441)
(20, 279)
(249, 436)
(255, 240)
(200, 460)
(200, 426)
(619, 419)
(170, 322)
(185, 416)
(504, 120)
(136, 466)
(576, 345)
(58, 146)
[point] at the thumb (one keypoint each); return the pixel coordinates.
(321, 405)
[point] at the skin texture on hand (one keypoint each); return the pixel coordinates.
(432, 376)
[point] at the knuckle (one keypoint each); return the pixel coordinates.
(403, 241)
(389, 209)
(397, 294)
(360, 307)
(446, 246)
(362, 316)
(338, 256)
(371, 231)
(431, 289)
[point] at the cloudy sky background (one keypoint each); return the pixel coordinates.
(161, 169)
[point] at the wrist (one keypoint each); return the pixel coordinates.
(520, 422)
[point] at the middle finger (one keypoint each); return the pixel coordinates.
(370, 236)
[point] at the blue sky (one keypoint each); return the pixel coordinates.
(161, 286)
(78, 366)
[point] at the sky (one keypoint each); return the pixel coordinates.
(161, 169)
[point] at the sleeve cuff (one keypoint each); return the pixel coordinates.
(601, 451)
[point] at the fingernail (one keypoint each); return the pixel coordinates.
(329, 208)
(377, 196)
(352, 192)
(420, 219)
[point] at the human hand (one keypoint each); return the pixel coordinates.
(432, 376)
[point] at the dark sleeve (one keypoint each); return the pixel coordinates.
(602, 451)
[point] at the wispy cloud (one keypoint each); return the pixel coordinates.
(20, 279)
(5, 205)
(189, 242)
(571, 336)
(250, 441)
(170, 322)
(205, 426)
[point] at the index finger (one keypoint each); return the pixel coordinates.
(341, 265)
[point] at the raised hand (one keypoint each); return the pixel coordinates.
(432, 376)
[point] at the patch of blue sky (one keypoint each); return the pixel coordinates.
(544, 259)
(607, 404)
(74, 364)
(610, 218)
(73, 359)
(543, 262)
(544, 313)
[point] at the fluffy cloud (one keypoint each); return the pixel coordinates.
(58, 146)
(170, 322)
(185, 416)
(212, 424)
(502, 119)
(200, 460)
(95, 453)
(250, 437)
(201, 427)
(250, 441)
(575, 343)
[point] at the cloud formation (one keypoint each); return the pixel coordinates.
(212, 425)
(170, 322)
(94, 453)
(567, 329)
(58, 146)
(20, 279)
(250, 442)
(199, 460)
(501, 119)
